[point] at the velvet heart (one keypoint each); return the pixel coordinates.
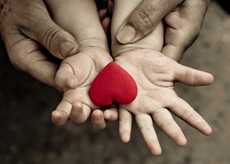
(113, 84)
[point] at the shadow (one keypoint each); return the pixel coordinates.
(224, 4)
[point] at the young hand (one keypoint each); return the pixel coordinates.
(76, 74)
(80, 18)
(155, 75)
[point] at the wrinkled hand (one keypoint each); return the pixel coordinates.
(183, 21)
(26, 29)
(76, 74)
(155, 75)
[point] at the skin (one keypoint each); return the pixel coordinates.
(155, 75)
(78, 71)
(27, 32)
(152, 82)
(183, 21)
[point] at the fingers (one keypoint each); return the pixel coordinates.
(125, 125)
(40, 27)
(65, 77)
(26, 55)
(145, 125)
(62, 113)
(98, 120)
(80, 113)
(144, 19)
(187, 113)
(192, 76)
(74, 71)
(183, 27)
(111, 114)
(165, 121)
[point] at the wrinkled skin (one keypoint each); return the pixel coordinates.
(183, 22)
(27, 32)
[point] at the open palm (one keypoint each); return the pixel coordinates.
(155, 75)
(75, 76)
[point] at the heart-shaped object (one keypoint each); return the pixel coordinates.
(113, 84)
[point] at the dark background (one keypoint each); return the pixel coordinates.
(28, 137)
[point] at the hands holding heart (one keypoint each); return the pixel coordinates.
(139, 82)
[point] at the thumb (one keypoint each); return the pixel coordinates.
(46, 32)
(144, 19)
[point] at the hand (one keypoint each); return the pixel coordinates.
(25, 27)
(155, 75)
(76, 73)
(183, 21)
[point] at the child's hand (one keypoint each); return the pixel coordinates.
(81, 19)
(155, 75)
(76, 74)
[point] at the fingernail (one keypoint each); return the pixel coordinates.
(68, 48)
(126, 34)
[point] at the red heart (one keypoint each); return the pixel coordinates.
(113, 84)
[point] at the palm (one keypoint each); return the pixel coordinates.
(75, 76)
(155, 75)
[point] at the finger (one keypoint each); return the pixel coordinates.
(62, 113)
(26, 55)
(165, 121)
(187, 113)
(148, 132)
(183, 27)
(111, 114)
(73, 71)
(192, 76)
(80, 112)
(106, 24)
(65, 77)
(125, 125)
(144, 19)
(43, 29)
(98, 120)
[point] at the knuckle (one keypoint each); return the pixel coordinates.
(143, 18)
(49, 36)
(188, 114)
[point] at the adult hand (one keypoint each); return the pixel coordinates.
(26, 28)
(183, 21)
